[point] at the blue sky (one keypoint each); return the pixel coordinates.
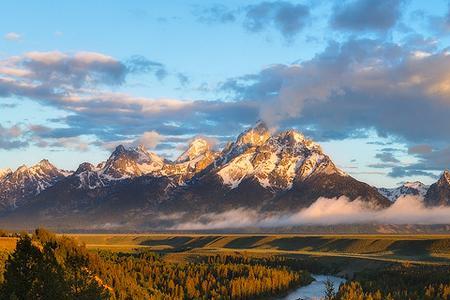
(368, 79)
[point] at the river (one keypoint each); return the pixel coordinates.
(315, 290)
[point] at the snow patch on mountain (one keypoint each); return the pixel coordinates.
(196, 148)
(415, 188)
(236, 170)
(132, 162)
(5, 172)
(89, 176)
(26, 182)
(275, 161)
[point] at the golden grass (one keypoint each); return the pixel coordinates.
(389, 248)
(7, 244)
(406, 248)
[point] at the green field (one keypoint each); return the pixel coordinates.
(403, 248)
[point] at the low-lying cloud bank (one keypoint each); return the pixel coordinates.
(406, 210)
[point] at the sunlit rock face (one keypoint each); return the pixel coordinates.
(25, 182)
(274, 161)
(132, 162)
(272, 171)
(415, 188)
(197, 157)
(262, 170)
(439, 192)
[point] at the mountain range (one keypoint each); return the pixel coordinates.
(134, 188)
(415, 188)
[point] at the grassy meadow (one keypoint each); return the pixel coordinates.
(404, 248)
(130, 265)
(432, 248)
(352, 251)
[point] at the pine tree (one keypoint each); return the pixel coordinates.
(50, 268)
(33, 274)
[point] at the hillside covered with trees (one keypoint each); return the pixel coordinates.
(45, 266)
(399, 282)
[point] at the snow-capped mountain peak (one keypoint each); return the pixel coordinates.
(28, 181)
(42, 169)
(5, 172)
(196, 148)
(254, 136)
(416, 185)
(131, 162)
(439, 192)
(275, 161)
(89, 176)
(196, 158)
(85, 167)
(415, 188)
(249, 139)
(284, 170)
(44, 163)
(293, 136)
(446, 176)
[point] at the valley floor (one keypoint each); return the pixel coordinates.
(374, 266)
(419, 249)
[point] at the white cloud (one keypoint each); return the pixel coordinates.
(13, 36)
(11, 137)
(149, 139)
(406, 210)
(354, 85)
(62, 71)
(78, 84)
(75, 143)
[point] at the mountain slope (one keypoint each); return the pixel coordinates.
(274, 161)
(195, 159)
(26, 182)
(133, 162)
(408, 188)
(280, 172)
(5, 172)
(439, 192)
(260, 170)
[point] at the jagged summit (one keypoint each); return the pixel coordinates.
(260, 169)
(446, 176)
(439, 192)
(42, 168)
(413, 184)
(194, 160)
(197, 147)
(131, 162)
(415, 188)
(27, 182)
(444, 180)
(118, 150)
(85, 167)
(275, 161)
(45, 163)
(21, 168)
(293, 136)
(5, 172)
(253, 136)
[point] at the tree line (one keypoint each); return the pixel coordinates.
(399, 282)
(46, 266)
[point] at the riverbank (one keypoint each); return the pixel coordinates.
(315, 290)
